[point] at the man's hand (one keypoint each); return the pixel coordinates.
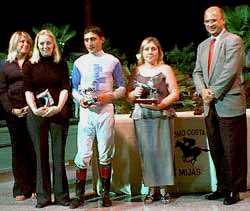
(84, 103)
(207, 96)
(105, 98)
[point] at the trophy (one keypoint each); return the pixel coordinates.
(149, 94)
(46, 97)
(89, 94)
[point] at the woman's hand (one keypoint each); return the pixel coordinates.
(20, 112)
(51, 111)
(154, 106)
(17, 112)
(138, 91)
(25, 109)
(40, 111)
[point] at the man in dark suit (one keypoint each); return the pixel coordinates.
(219, 84)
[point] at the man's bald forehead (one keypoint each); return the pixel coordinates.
(214, 10)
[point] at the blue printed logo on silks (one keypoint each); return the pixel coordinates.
(97, 76)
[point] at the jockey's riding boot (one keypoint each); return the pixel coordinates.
(80, 188)
(105, 172)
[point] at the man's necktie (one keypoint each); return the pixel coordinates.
(210, 55)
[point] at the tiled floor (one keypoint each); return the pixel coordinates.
(126, 203)
(188, 202)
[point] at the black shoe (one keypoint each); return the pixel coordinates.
(216, 195)
(166, 199)
(231, 198)
(106, 202)
(77, 202)
(157, 196)
(41, 205)
(63, 203)
(149, 199)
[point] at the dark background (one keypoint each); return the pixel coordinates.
(125, 22)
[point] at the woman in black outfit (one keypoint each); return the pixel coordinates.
(47, 75)
(13, 100)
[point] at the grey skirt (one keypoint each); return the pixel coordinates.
(155, 144)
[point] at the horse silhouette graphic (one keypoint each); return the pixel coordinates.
(189, 150)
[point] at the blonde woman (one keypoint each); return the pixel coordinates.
(154, 121)
(46, 76)
(13, 101)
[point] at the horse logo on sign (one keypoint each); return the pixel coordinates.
(189, 150)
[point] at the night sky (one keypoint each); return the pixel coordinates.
(125, 22)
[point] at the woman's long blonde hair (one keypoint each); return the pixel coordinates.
(36, 56)
(12, 51)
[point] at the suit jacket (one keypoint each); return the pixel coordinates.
(225, 74)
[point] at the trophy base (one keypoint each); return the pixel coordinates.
(146, 101)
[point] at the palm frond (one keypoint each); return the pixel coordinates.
(63, 34)
(238, 22)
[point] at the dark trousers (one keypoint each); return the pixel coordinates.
(227, 137)
(39, 129)
(23, 156)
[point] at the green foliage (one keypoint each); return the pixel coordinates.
(183, 62)
(3, 56)
(182, 59)
(238, 22)
(63, 34)
(72, 56)
(122, 106)
(187, 100)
